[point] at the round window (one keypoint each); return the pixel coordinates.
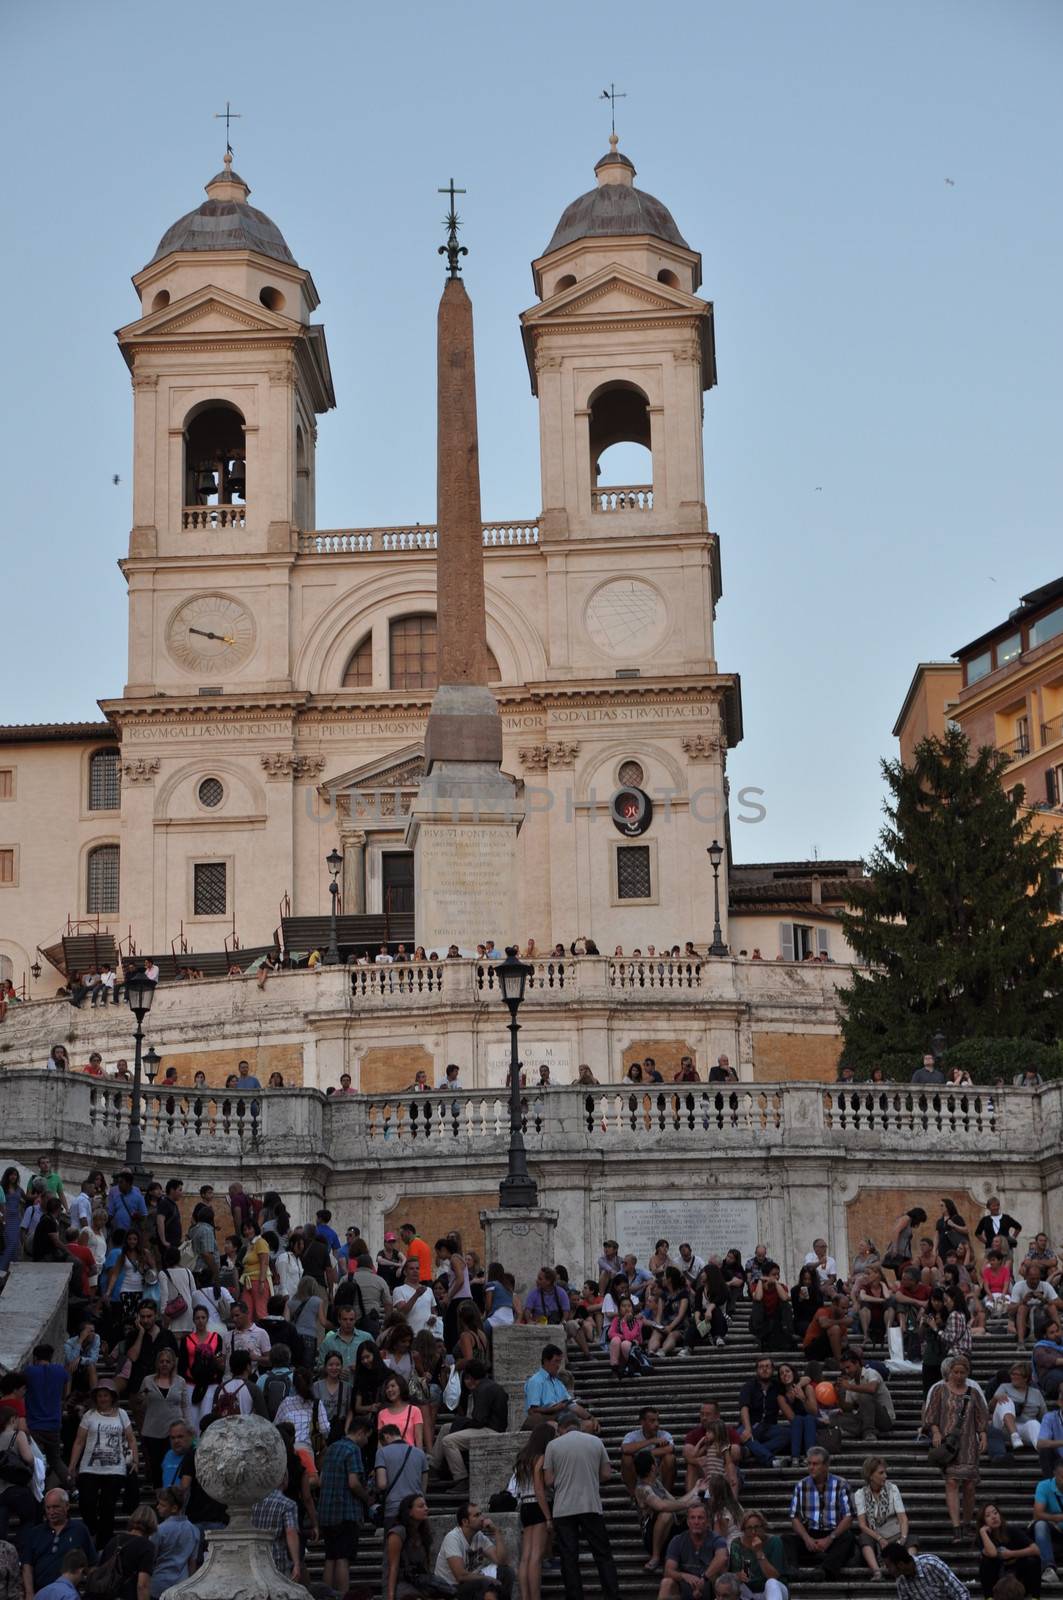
(211, 792)
(630, 774)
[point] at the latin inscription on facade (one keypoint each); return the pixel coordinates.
(711, 1226)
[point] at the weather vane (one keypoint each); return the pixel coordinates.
(611, 95)
(452, 222)
(229, 116)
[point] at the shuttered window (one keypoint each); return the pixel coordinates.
(102, 895)
(209, 886)
(634, 880)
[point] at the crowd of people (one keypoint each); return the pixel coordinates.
(376, 1368)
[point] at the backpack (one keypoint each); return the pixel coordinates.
(276, 1387)
(226, 1402)
(105, 1580)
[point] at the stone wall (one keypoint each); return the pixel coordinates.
(32, 1311)
(394, 1066)
(812, 1057)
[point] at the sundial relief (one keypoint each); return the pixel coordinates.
(626, 616)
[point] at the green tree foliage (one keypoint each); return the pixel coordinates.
(955, 919)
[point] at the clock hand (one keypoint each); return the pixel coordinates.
(204, 635)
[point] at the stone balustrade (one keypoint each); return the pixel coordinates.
(624, 497)
(86, 1115)
(201, 517)
(377, 541)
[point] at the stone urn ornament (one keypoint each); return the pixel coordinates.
(240, 1460)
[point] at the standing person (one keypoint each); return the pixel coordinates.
(389, 1262)
(44, 1547)
(575, 1465)
(176, 1542)
(16, 1473)
(133, 1554)
(536, 1517)
(343, 1502)
(997, 1224)
(13, 1200)
(255, 1279)
(822, 1516)
(101, 1446)
(47, 1386)
(957, 1413)
(416, 1250)
(408, 1551)
(165, 1396)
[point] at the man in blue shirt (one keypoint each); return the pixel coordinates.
(47, 1384)
(1050, 1439)
(325, 1231)
(125, 1203)
(697, 1554)
(44, 1547)
(245, 1078)
(545, 1395)
(1048, 1521)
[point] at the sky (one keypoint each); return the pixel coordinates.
(883, 462)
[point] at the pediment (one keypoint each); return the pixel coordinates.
(399, 769)
(208, 310)
(614, 290)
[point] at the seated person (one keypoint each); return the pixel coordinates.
(648, 1436)
(694, 1560)
(657, 1508)
(471, 1563)
(821, 1514)
(545, 1395)
(1048, 1521)
(771, 1319)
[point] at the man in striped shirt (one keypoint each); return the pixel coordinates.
(922, 1577)
(822, 1517)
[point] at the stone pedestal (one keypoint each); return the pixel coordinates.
(240, 1461)
(463, 832)
(523, 1240)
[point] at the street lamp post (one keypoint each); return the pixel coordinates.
(715, 855)
(937, 1046)
(518, 1188)
(140, 992)
(334, 861)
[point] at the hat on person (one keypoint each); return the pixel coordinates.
(106, 1383)
(389, 1238)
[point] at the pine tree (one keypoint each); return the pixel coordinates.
(955, 919)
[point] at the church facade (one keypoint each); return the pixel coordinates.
(280, 675)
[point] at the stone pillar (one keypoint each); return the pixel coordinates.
(523, 1240)
(352, 841)
(517, 1352)
(240, 1461)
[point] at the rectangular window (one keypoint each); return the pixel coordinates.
(208, 895)
(7, 783)
(1009, 649)
(7, 865)
(633, 877)
(802, 941)
(979, 666)
(1046, 628)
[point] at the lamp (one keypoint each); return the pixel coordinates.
(139, 993)
(518, 1189)
(36, 969)
(333, 861)
(938, 1045)
(152, 1063)
(715, 855)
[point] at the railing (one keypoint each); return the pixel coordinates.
(399, 978)
(631, 497)
(365, 541)
(556, 973)
(214, 517)
(166, 1115)
(1017, 747)
(913, 1112)
(1052, 730)
(654, 972)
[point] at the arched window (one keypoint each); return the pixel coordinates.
(412, 657)
(215, 457)
(7, 971)
(302, 481)
(359, 673)
(102, 880)
(105, 781)
(620, 446)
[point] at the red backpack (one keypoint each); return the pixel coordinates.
(227, 1401)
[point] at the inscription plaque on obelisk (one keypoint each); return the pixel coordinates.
(464, 822)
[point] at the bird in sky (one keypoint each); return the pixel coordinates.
(951, 182)
(818, 489)
(116, 479)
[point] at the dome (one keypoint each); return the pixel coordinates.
(615, 207)
(226, 222)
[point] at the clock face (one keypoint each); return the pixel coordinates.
(210, 634)
(626, 617)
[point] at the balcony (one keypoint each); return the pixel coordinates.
(419, 536)
(627, 497)
(1051, 731)
(199, 517)
(1017, 748)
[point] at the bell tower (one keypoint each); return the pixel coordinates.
(228, 376)
(620, 349)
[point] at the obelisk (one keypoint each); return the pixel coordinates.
(464, 823)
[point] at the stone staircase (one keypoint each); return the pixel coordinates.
(677, 1387)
